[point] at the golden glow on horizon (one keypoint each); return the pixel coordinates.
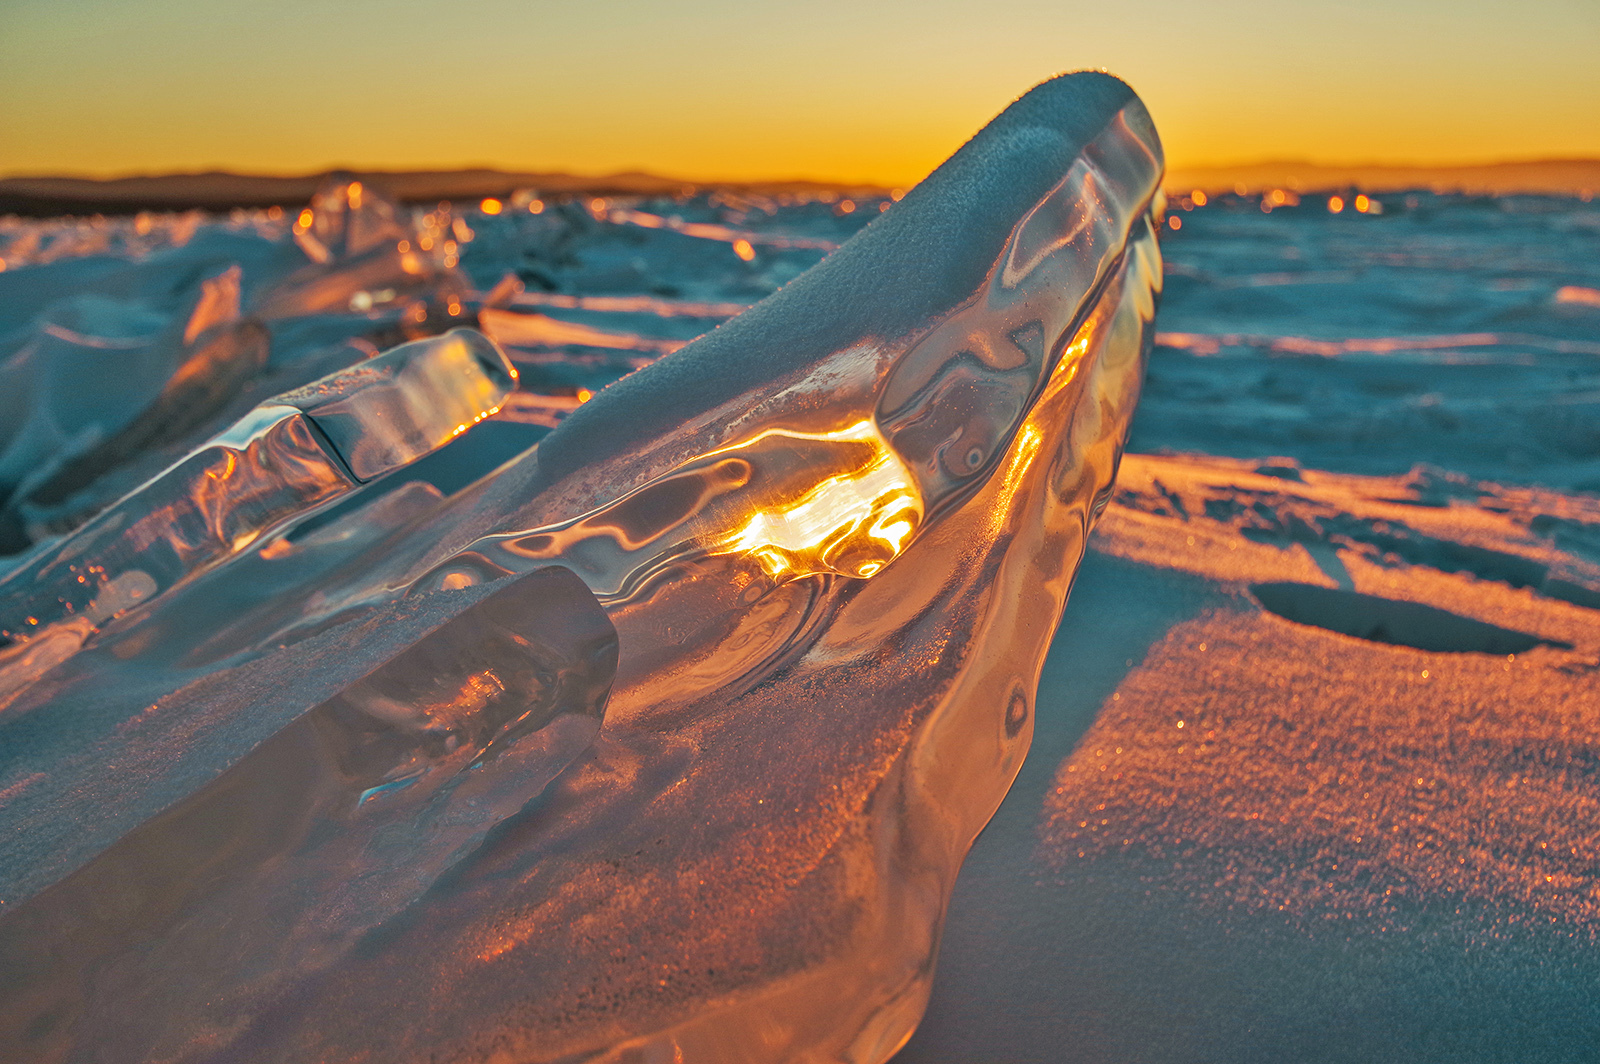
(491, 206)
(165, 86)
(1335, 204)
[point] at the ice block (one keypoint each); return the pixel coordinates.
(288, 458)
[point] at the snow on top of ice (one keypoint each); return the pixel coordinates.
(920, 259)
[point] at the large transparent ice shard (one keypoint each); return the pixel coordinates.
(290, 457)
(276, 868)
(833, 537)
(841, 482)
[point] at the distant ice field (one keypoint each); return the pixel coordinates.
(1246, 831)
(1462, 332)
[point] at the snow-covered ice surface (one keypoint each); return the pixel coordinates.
(1313, 770)
(1316, 774)
(1241, 837)
(1455, 331)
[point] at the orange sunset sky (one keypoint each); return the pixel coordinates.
(707, 89)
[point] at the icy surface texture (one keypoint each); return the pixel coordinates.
(832, 538)
(1300, 788)
(1458, 331)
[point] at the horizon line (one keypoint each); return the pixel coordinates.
(499, 169)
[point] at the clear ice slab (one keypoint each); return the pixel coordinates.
(290, 457)
(332, 825)
(833, 538)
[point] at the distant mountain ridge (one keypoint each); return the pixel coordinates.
(220, 191)
(1564, 176)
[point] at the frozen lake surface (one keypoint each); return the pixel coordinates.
(1271, 810)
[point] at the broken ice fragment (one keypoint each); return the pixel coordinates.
(393, 409)
(87, 361)
(276, 868)
(204, 357)
(347, 218)
(850, 519)
(364, 259)
(212, 373)
(289, 457)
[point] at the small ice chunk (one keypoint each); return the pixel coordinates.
(366, 260)
(288, 458)
(346, 218)
(393, 409)
(218, 304)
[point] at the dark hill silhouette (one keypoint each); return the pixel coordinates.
(219, 191)
(1561, 176)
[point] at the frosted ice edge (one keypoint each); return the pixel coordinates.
(921, 260)
(944, 410)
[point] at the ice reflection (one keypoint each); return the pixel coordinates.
(832, 538)
(852, 521)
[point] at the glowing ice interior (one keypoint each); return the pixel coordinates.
(664, 740)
